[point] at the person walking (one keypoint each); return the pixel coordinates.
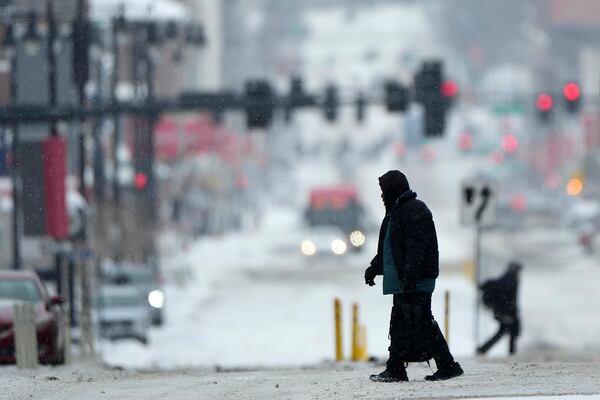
(500, 296)
(407, 257)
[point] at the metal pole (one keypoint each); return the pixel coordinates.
(116, 120)
(150, 130)
(447, 316)
(51, 57)
(477, 281)
(15, 172)
(150, 121)
(16, 190)
(81, 16)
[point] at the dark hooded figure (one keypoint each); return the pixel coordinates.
(407, 257)
(500, 296)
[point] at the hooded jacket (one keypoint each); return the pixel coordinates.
(407, 241)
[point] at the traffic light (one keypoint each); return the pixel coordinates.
(510, 143)
(140, 181)
(428, 92)
(544, 104)
(396, 97)
(450, 91)
(450, 88)
(82, 38)
(296, 98)
(331, 103)
(259, 104)
(572, 96)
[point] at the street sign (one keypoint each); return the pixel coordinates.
(508, 108)
(478, 203)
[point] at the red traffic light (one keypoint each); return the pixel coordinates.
(544, 102)
(449, 88)
(465, 141)
(140, 181)
(510, 143)
(571, 91)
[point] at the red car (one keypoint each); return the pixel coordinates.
(25, 286)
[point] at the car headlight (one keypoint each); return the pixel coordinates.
(308, 248)
(357, 238)
(338, 246)
(156, 298)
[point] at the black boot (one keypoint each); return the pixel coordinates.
(390, 376)
(444, 373)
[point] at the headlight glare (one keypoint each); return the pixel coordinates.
(156, 298)
(308, 248)
(338, 246)
(357, 238)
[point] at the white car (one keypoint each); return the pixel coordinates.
(122, 313)
(324, 240)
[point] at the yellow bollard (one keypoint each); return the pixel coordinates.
(469, 270)
(447, 316)
(355, 333)
(339, 351)
(363, 344)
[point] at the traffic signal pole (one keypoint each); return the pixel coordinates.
(15, 174)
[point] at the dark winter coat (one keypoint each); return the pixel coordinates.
(412, 239)
(500, 295)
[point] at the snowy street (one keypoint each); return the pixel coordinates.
(487, 379)
(277, 310)
(197, 196)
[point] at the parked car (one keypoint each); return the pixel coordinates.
(146, 280)
(122, 313)
(25, 286)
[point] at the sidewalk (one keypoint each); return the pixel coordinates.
(499, 378)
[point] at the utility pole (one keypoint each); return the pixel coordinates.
(150, 200)
(9, 45)
(81, 47)
(117, 25)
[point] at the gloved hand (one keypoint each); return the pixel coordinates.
(409, 285)
(370, 275)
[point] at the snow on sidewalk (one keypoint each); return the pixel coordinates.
(482, 379)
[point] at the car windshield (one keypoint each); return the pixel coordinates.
(136, 277)
(21, 289)
(121, 300)
(141, 277)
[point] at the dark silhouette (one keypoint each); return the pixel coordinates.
(407, 257)
(500, 296)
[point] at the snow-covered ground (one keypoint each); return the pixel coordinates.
(482, 379)
(278, 310)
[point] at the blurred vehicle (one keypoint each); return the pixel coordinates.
(146, 280)
(25, 286)
(582, 213)
(122, 313)
(324, 240)
(583, 217)
(338, 206)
